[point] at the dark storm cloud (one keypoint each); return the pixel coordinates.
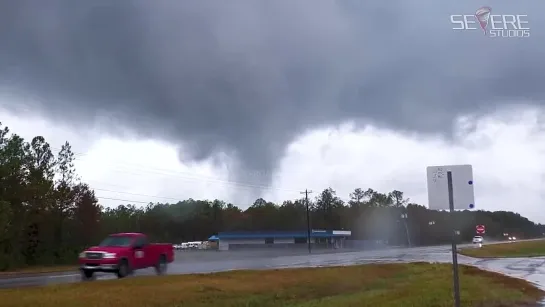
(246, 77)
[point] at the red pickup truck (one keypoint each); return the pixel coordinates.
(122, 253)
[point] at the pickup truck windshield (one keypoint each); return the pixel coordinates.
(116, 241)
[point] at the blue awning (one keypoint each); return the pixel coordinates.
(315, 233)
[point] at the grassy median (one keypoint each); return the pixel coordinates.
(416, 284)
(38, 270)
(509, 249)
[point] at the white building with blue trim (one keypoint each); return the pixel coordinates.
(248, 239)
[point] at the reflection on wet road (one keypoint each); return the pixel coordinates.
(531, 269)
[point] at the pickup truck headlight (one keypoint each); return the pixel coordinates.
(109, 256)
(82, 255)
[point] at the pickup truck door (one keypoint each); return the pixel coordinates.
(149, 255)
(140, 251)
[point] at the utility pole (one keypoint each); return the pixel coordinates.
(306, 192)
(405, 217)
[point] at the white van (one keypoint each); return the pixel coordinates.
(477, 240)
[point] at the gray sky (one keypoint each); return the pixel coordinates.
(248, 77)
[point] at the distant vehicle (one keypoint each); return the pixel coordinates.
(194, 244)
(123, 253)
(512, 239)
(191, 245)
(477, 240)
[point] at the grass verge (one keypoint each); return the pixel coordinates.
(416, 284)
(38, 270)
(512, 250)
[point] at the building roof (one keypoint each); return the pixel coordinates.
(315, 233)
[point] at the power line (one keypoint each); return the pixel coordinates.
(173, 174)
(136, 194)
(127, 200)
(180, 175)
(177, 174)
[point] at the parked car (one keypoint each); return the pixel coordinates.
(477, 240)
(123, 253)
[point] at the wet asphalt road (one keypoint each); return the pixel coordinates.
(531, 269)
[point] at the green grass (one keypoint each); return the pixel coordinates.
(416, 284)
(508, 250)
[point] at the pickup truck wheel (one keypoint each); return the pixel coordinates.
(87, 275)
(123, 270)
(161, 266)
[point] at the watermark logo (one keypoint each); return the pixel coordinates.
(492, 25)
(483, 16)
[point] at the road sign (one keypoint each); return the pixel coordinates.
(462, 187)
(480, 229)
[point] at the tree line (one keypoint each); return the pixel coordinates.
(48, 215)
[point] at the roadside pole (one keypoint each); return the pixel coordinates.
(450, 188)
(306, 192)
(405, 217)
(455, 277)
